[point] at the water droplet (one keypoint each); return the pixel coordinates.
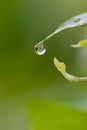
(40, 48)
(76, 19)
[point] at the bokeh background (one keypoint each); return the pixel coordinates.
(33, 94)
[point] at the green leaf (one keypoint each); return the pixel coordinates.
(46, 115)
(62, 68)
(72, 22)
(80, 44)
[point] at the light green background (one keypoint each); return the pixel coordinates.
(33, 94)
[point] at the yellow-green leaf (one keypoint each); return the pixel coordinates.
(62, 68)
(80, 44)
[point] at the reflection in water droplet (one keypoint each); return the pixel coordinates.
(40, 48)
(41, 52)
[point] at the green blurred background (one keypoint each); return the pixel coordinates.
(33, 94)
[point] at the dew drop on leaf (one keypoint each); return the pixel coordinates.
(76, 19)
(40, 48)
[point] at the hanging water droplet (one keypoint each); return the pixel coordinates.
(40, 48)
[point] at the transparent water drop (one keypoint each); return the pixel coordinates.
(40, 48)
(76, 19)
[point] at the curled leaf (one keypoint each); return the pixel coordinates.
(80, 44)
(62, 68)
